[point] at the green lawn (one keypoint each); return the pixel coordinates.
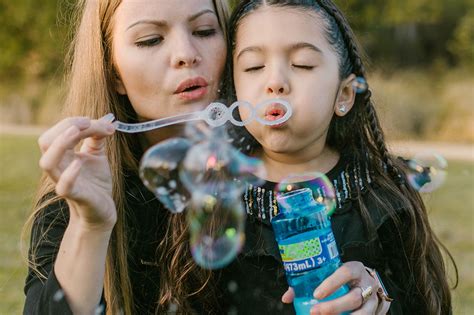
(451, 211)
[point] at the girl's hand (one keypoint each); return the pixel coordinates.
(82, 176)
(354, 274)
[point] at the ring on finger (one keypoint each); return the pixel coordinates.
(366, 293)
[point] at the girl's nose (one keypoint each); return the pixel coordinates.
(278, 85)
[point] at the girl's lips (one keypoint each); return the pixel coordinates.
(274, 112)
(192, 89)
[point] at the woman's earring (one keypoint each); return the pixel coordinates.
(342, 108)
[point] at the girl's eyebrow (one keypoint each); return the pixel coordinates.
(163, 23)
(248, 49)
(291, 48)
(302, 45)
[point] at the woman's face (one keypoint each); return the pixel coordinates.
(169, 56)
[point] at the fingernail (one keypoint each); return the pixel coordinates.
(107, 118)
(317, 293)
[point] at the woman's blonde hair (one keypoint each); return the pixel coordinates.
(91, 92)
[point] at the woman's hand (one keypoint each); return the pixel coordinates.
(356, 276)
(82, 176)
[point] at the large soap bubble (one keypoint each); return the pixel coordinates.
(159, 171)
(321, 187)
(216, 228)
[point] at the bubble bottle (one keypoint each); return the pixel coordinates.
(307, 246)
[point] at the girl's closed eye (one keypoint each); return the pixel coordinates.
(253, 68)
(303, 66)
(149, 42)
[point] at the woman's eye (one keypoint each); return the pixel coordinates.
(205, 33)
(304, 67)
(256, 68)
(149, 42)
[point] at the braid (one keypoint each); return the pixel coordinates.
(358, 68)
(348, 37)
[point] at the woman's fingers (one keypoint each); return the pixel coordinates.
(102, 128)
(289, 296)
(56, 146)
(369, 307)
(48, 137)
(65, 184)
(53, 157)
(350, 301)
(347, 273)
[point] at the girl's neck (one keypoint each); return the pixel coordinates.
(280, 165)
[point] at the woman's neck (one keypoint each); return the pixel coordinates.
(280, 165)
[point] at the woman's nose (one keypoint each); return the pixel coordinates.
(185, 54)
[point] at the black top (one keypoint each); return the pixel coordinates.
(255, 281)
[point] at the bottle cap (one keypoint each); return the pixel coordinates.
(296, 199)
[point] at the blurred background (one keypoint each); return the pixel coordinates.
(421, 63)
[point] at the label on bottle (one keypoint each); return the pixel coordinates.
(308, 254)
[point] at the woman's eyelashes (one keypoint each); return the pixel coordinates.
(205, 32)
(150, 42)
(156, 40)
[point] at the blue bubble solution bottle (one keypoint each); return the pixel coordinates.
(307, 246)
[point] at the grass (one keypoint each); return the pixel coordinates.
(450, 209)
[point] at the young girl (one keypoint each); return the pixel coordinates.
(303, 51)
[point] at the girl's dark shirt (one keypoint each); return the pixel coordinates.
(255, 281)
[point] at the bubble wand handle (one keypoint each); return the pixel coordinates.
(158, 123)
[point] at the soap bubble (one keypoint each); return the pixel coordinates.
(427, 171)
(159, 171)
(217, 166)
(217, 228)
(58, 295)
(323, 190)
(360, 85)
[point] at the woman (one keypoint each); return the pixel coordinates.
(138, 60)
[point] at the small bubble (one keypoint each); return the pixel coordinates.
(232, 311)
(232, 286)
(360, 85)
(427, 171)
(58, 296)
(172, 184)
(99, 309)
(173, 308)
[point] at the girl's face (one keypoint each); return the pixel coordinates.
(169, 57)
(283, 53)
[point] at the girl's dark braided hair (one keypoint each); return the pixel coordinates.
(359, 135)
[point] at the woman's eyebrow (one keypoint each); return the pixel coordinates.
(195, 16)
(154, 22)
(163, 23)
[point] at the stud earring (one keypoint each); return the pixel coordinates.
(342, 108)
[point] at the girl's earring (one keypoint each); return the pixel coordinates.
(342, 108)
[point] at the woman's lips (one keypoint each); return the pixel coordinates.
(192, 89)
